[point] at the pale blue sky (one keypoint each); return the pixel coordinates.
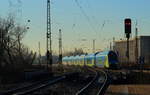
(85, 19)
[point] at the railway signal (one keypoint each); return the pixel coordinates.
(128, 26)
(127, 23)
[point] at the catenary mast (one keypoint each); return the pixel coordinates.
(48, 35)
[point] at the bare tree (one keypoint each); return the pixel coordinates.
(75, 52)
(12, 50)
(5, 26)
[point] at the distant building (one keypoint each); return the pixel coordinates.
(141, 49)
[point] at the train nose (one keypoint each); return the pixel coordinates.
(113, 66)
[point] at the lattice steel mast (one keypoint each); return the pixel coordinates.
(49, 41)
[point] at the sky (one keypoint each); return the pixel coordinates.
(81, 21)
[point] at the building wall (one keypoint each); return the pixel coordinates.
(145, 48)
(121, 48)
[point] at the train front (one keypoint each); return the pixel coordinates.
(113, 60)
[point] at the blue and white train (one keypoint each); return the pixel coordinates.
(104, 59)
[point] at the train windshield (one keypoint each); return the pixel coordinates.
(112, 56)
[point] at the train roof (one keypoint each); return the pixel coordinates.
(70, 57)
(82, 55)
(76, 57)
(104, 53)
(65, 58)
(90, 55)
(79, 57)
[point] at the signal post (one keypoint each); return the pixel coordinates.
(127, 23)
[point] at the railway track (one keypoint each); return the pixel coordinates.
(97, 85)
(104, 84)
(37, 86)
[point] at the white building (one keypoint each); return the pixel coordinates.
(141, 49)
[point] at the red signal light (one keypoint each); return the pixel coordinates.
(127, 26)
(128, 23)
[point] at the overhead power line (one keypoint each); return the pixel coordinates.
(85, 15)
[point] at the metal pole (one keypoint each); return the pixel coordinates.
(39, 54)
(60, 46)
(110, 46)
(136, 45)
(113, 43)
(127, 52)
(1, 50)
(128, 49)
(93, 45)
(1, 46)
(49, 41)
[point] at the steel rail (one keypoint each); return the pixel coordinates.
(81, 91)
(11, 91)
(101, 91)
(42, 86)
(47, 84)
(27, 89)
(105, 83)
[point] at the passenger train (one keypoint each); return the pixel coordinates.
(104, 59)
